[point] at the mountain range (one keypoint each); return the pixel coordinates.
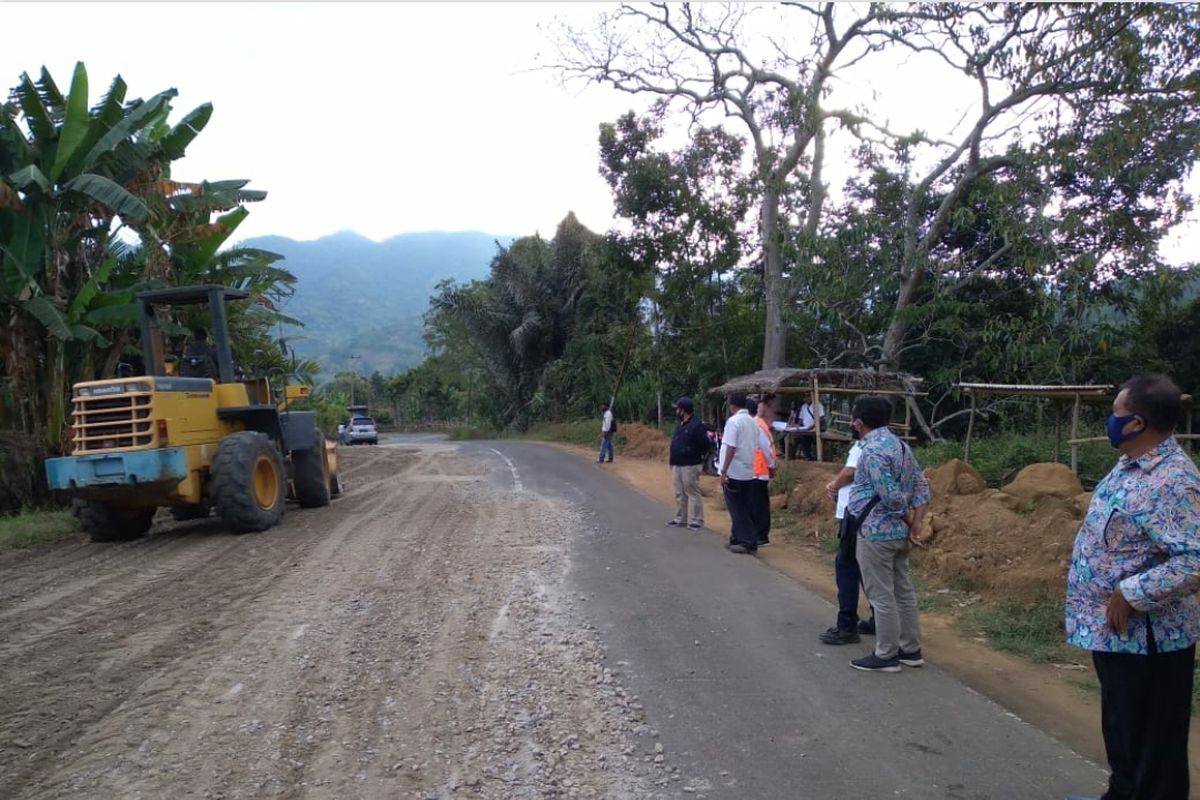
(357, 297)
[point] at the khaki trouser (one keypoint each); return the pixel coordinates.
(884, 567)
(686, 481)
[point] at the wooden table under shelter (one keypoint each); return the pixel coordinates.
(812, 383)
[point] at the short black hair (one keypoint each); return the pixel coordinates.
(738, 400)
(604, 406)
(767, 397)
(874, 410)
(1157, 399)
(752, 406)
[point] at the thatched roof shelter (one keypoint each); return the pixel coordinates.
(815, 382)
(789, 380)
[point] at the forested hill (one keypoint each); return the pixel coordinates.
(360, 297)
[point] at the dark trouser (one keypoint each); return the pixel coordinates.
(848, 577)
(761, 509)
(1145, 712)
(808, 448)
(739, 499)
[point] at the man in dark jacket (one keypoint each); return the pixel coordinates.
(689, 445)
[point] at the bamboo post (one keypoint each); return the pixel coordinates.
(1187, 443)
(1057, 431)
(817, 419)
(970, 430)
(1075, 436)
(907, 418)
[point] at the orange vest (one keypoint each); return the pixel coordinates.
(761, 470)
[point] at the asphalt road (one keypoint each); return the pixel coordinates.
(722, 651)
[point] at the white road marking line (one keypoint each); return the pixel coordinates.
(512, 468)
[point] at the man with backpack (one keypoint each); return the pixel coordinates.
(608, 429)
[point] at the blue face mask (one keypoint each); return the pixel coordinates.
(1116, 425)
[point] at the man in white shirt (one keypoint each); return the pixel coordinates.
(606, 434)
(845, 563)
(807, 419)
(739, 442)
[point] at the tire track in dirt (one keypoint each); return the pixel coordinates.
(406, 641)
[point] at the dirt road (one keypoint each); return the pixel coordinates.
(411, 640)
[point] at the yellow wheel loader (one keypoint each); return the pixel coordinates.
(204, 440)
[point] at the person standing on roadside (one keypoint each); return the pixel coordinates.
(888, 499)
(689, 446)
(1131, 594)
(739, 442)
(764, 468)
(849, 627)
(606, 434)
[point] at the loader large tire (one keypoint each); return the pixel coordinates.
(310, 475)
(104, 522)
(248, 487)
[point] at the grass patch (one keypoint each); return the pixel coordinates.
(31, 528)
(582, 432)
(1033, 630)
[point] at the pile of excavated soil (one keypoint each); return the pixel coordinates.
(1014, 543)
(642, 441)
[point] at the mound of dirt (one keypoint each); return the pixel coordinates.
(955, 477)
(989, 541)
(808, 496)
(1045, 480)
(642, 441)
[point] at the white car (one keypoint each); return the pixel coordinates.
(362, 430)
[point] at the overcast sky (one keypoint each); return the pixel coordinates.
(378, 118)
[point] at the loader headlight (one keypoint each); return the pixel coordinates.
(138, 386)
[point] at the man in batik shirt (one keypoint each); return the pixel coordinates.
(1131, 594)
(887, 501)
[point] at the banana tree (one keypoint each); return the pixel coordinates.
(70, 176)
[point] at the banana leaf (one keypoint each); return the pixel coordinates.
(49, 315)
(138, 118)
(175, 143)
(75, 123)
(109, 193)
(35, 112)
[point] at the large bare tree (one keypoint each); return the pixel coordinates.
(1108, 91)
(700, 57)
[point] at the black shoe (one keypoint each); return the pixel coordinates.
(874, 663)
(674, 523)
(839, 636)
(763, 542)
(866, 627)
(912, 659)
(742, 549)
(694, 526)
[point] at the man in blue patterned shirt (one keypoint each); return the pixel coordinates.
(1131, 594)
(887, 504)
